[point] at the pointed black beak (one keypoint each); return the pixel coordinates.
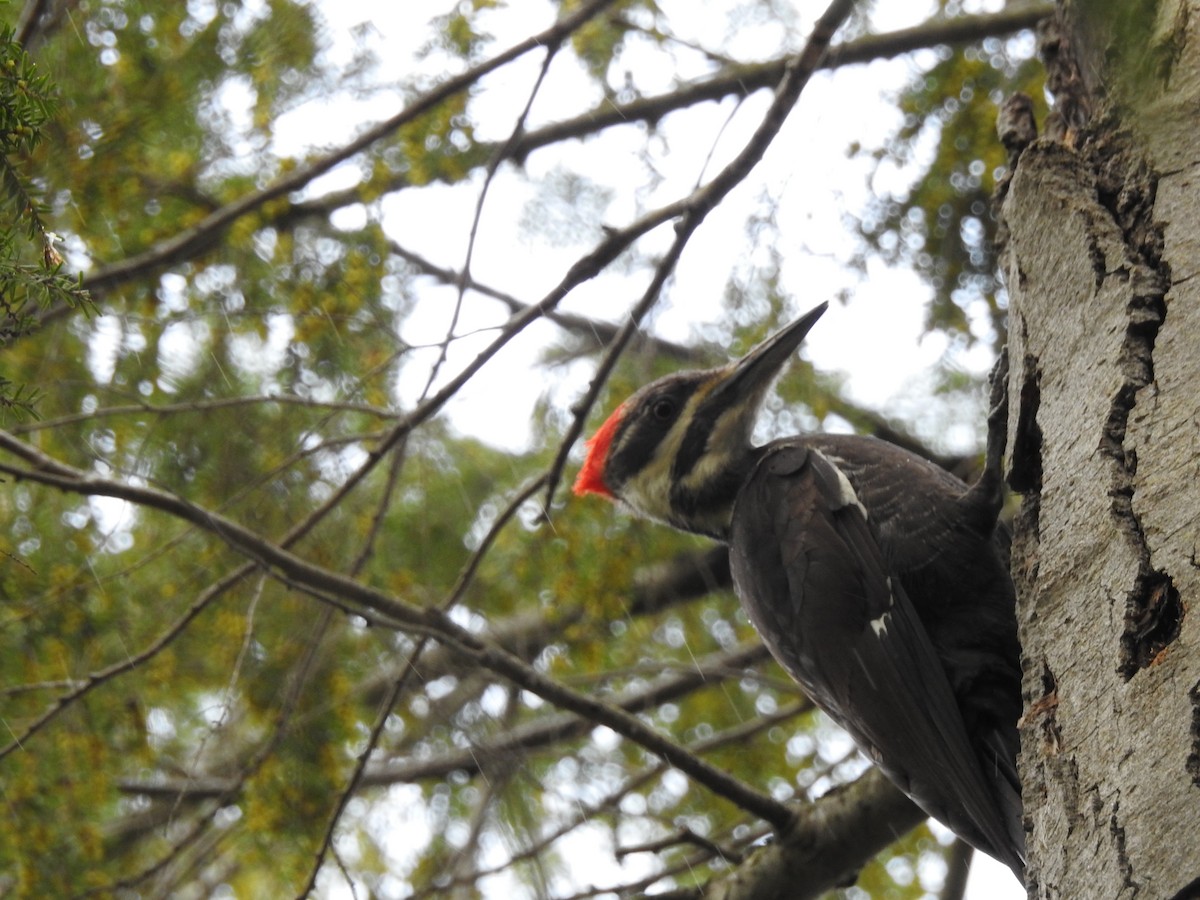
(748, 378)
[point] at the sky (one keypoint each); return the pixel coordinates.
(875, 342)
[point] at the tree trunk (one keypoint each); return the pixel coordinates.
(1103, 224)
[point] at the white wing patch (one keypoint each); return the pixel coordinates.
(880, 625)
(847, 495)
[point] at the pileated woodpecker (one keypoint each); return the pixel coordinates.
(878, 580)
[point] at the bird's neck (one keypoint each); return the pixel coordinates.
(702, 499)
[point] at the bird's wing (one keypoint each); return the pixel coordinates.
(812, 577)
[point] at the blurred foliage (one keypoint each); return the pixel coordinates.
(30, 260)
(181, 723)
(600, 41)
(944, 225)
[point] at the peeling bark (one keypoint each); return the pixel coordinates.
(1103, 240)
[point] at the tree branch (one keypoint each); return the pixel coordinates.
(737, 81)
(201, 237)
(549, 730)
(330, 586)
(195, 406)
(515, 742)
(831, 840)
(744, 79)
(326, 585)
(592, 330)
(797, 72)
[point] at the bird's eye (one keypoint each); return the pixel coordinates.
(663, 409)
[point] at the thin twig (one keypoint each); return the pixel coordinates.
(385, 708)
(209, 595)
(737, 735)
(357, 777)
(742, 79)
(199, 405)
(592, 329)
(493, 166)
(797, 71)
(80, 687)
(548, 730)
(735, 79)
(295, 683)
(205, 234)
(331, 586)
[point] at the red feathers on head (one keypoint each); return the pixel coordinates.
(591, 476)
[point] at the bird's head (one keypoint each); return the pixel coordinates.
(679, 449)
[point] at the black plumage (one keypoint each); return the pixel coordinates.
(846, 579)
(878, 580)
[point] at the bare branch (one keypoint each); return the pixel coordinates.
(294, 684)
(741, 80)
(358, 776)
(737, 81)
(959, 867)
(737, 735)
(831, 840)
(195, 406)
(334, 587)
(493, 166)
(80, 687)
(204, 235)
(594, 331)
(552, 729)
(511, 745)
(734, 80)
(797, 71)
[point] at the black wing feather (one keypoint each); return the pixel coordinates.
(809, 570)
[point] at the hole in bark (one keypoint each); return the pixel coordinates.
(1025, 473)
(1049, 682)
(1153, 616)
(1193, 760)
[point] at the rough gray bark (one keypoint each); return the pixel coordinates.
(1101, 256)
